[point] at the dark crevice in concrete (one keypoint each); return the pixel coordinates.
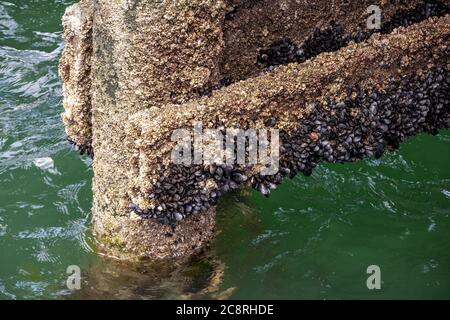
(207, 92)
(239, 5)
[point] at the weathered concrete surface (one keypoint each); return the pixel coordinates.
(134, 70)
(146, 54)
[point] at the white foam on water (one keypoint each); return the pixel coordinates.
(2, 230)
(46, 164)
(7, 24)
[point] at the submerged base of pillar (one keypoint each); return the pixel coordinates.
(131, 237)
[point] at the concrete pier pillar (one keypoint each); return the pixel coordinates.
(134, 71)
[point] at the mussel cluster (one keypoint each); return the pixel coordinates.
(334, 37)
(363, 124)
(85, 148)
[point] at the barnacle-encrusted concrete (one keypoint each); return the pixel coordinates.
(146, 54)
(254, 25)
(135, 70)
(75, 71)
(290, 99)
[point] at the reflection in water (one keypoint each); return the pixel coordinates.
(198, 277)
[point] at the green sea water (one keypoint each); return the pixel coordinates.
(313, 238)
